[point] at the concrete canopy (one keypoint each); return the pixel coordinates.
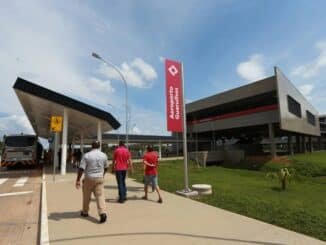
(40, 104)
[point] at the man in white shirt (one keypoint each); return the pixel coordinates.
(94, 164)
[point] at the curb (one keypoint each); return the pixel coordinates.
(44, 229)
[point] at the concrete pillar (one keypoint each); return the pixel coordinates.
(64, 142)
(160, 150)
(99, 133)
(290, 145)
(272, 140)
(82, 142)
(73, 147)
(298, 143)
(311, 147)
(212, 136)
(304, 144)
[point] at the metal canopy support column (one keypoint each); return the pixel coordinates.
(272, 140)
(56, 149)
(99, 133)
(64, 142)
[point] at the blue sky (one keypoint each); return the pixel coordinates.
(222, 44)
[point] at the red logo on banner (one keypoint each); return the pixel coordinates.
(174, 97)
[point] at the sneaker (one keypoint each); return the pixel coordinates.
(144, 198)
(121, 200)
(83, 214)
(102, 218)
(160, 200)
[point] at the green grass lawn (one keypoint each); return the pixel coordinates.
(302, 207)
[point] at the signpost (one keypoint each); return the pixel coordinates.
(56, 127)
(56, 123)
(174, 96)
(176, 112)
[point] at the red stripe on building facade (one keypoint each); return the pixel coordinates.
(236, 114)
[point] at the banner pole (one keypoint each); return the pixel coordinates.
(185, 151)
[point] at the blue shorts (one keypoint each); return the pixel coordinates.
(151, 180)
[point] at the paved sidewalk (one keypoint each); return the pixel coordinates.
(177, 221)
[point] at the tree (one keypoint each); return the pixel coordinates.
(283, 175)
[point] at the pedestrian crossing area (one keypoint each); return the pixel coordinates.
(3, 180)
(19, 182)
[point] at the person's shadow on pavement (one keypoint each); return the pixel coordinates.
(129, 198)
(70, 215)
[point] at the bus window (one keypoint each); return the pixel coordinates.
(19, 141)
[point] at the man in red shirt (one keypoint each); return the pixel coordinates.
(150, 161)
(121, 163)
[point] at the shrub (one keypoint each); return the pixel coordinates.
(308, 169)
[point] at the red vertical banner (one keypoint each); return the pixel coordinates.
(174, 96)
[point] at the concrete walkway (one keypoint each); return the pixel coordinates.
(177, 221)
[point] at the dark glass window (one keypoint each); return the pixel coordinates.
(19, 141)
(311, 118)
(323, 127)
(294, 106)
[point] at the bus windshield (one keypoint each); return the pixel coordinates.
(20, 141)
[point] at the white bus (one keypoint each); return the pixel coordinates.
(20, 149)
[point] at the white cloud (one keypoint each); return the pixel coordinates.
(136, 130)
(49, 43)
(314, 67)
(14, 124)
(146, 70)
(148, 121)
(252, 69)
(306, 90)
(141, 120)
(39, 43)
(98, 85)
(137, 73)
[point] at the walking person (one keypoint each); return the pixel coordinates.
(150, 161)
(94, 164)
(121, 163)
(77, 155)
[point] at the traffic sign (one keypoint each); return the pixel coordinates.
(56, 123)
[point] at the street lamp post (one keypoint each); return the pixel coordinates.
(95, 55)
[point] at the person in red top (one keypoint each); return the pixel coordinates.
(121, 163)
(150, 161)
